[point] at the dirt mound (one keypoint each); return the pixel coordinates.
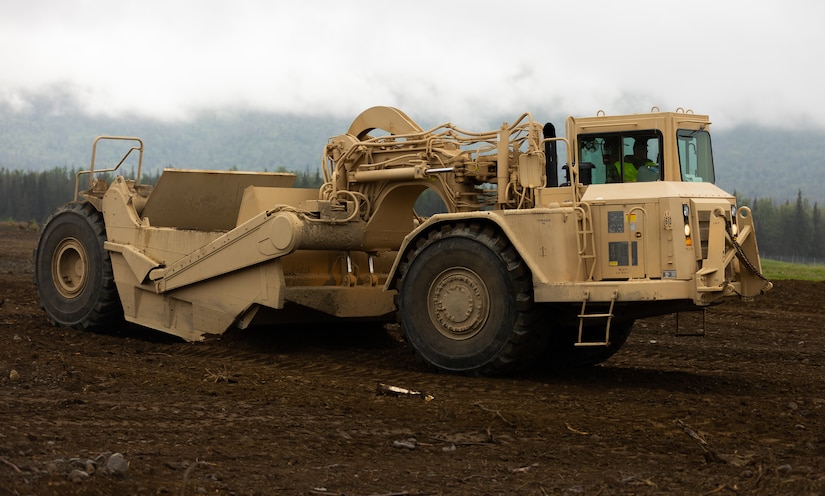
(300, 411)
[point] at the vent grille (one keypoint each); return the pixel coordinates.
(704, 231)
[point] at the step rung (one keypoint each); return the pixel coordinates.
(607, 316)
(595, 315)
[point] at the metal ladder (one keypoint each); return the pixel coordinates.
(608, 316)
(586, 242)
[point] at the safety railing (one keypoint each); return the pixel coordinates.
(91, 172)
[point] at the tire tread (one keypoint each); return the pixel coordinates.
(527, 338)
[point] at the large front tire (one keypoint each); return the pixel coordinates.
(465, 303)
(73, 272)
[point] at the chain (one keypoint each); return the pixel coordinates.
(741, 253)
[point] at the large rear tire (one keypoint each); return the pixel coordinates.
(465, 302)
(73, 272)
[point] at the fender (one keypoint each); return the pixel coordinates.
(509, 222)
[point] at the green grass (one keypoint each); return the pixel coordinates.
(784, 271)
(20, 225)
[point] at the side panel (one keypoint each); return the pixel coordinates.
(210, 307)
(627, 240)
(548, 240)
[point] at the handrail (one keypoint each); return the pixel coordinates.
(91, 170)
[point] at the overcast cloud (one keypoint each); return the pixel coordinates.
(464, 61)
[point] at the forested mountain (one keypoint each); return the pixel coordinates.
(753, 161)
(248, 141)
(771, 163)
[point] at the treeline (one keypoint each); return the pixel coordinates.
(787, 230)
(30, 196)
(791, 231)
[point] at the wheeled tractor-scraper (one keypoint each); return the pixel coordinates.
(529, 261)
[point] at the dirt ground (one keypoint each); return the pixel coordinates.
(297, 411)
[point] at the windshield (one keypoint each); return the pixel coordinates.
(695, 156)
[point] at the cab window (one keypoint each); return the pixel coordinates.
(695, 156)
(621, 157)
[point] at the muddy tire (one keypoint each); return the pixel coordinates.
(561, 351)
(465, 302)
(72, 270)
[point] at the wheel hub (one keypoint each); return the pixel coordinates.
(459, 303)
(69, 268)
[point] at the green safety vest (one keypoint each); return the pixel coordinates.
(630, 171)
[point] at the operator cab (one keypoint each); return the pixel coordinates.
(652, 147)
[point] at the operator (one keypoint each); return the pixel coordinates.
(632, 163)
(640, 154)
(646, 169)
(625, 170)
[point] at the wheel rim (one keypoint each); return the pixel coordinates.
(69, 268)
(459, 303)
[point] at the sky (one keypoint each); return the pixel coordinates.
(741, 62)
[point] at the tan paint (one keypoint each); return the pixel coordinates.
(206, 250)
